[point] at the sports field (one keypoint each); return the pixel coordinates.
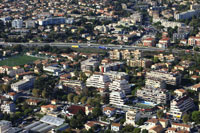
(17, 60)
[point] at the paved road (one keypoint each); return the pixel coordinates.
(86, 45)
(92, 45)
(35, 98)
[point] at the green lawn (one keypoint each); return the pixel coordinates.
(17, 60)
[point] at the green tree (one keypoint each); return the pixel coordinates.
(18, 48)
(105, 99)
(70, 97)
(36, 92)
(5, 88)
(64, 97)
(160, 114)
(83, 77)
(44, 93)
(76, 99)
(196, 116)
(128, 129)
(141, 121)
(136, 130)
(186, 118)
(122, 121)
(73, 123)
(156, 60)
(83, 99)
(24, 106)
(89, 101)
(133, 92)
(144, 131)
(97, 111)
(18, 114)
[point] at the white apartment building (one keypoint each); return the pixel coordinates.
(52, 21)
(155, 95)
(116, 75)
(17, 23)
(5, 126)
(111, 66)
(13, 72)
(103, 29)
(117, 98)
(155, 83)
(136, 17)
(167, 23)
(186, 15)
(115, 54)
(26, 83)
(89, 65)
(8, 107)
(120, 85)
(168, 77)
(132, 116)
(73, 83)
(180, 105)
(30, 24)
(98, 81)
(51, 69)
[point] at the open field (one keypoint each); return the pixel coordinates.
(17, 60)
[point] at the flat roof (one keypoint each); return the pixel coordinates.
(52, 120)
(32, 125)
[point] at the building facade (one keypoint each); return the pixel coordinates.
(117, 98)
(132, 116)
(17, 23)
(98, 81)
(180, 105)
(169, 77)
(26, 83)
(120, 85)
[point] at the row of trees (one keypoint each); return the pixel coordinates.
(87, 100)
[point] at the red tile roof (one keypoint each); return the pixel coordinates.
(74, 109)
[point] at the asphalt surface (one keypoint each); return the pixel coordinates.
(86, 45)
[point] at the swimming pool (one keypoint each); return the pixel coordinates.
(148, 103)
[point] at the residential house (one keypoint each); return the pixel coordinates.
(12, 95)
(109, 111)
(180, 92)
(88, 109)
(149, 42)
(116, 127)
(48, 108)
(194, 41)
(156, 129)
(132, 116)
(91, 124)
(74, 109)
(163, 43)
(195, 87)
(32, 102)
(54, 102)
(181, 126)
